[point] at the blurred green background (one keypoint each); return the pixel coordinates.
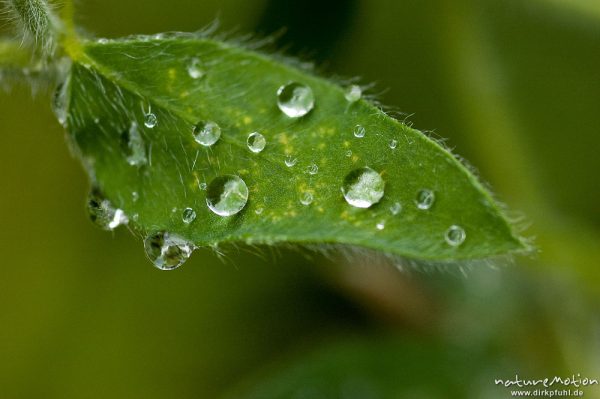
(513, 85)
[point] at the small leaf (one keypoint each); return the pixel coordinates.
(332, 171)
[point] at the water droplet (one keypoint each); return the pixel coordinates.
(393, 144)
(396, 208)
(256, 142)
(425, 199)
(135, 196)
(102, 40)
(194, 69)
(207, 133)
(363, 187)
(202, 186)
(312, 169)
(306, 198)
(133, 145)
(60, 102)
(455, 235)
(150, 120)
(227, 195)
(174, 209)
(353, 93)
(167, 251)
(188, 216)
(103, 213)
(359, 131)
(258, 211)
(380, 225)
(349, 153)
(295, 99)
(290, 161)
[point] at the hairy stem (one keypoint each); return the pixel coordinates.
(38, 22)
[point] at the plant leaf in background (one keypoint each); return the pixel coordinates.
(201, 142)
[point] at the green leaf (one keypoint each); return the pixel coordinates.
(115, 85)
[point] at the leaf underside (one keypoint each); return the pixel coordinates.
(113, 84)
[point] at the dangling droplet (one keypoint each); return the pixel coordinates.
(359, 131)
(306, 198)
(396, 208)
(133, 145)
(455, 235)
(167, 251)
(290, 161)
(295, 99)
(103, 214)
(363, 187)
(60, 102)
(393, 144)
(353, 93)
(194, 69)
(425, 199)
(207, 133)
(256, 142)
(150, 120)
(188, 216)
(312, 169)
(380, 225)
(227, 195)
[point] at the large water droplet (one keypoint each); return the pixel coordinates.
(306, 198)
(207, 133)
(396, 208)
(312, 169)
(290, 161)
(363, 187)
(295, 99)
(150, 120)
(194, 68)
(425, 199)
(455, 235)
(188, 216)
(353, 93)
(359, 131)
(256, 142)
(226, 195)
(134, 147)
(103, 213)
(167, 251)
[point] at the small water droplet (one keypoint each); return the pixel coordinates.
(353, 93)
(306, 198)
(295, 99)
(455, 235)
(396, 208)
(102, 40)
(359, 131)
(167, 251)
(393, 144)
(425, 199)
(363, 187)
(202, 186)
(135, 196)
(194, 69)
(290, 161)
(312, 169)
(256, 142)
(103, 213)
(227, 195)
(380, 225)
(133, 146)
(258, 211)
(188, 216)
(349, 153)
(207, 133)
(150, 120)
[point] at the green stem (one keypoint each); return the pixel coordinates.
(38, 22)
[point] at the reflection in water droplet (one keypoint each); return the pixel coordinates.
(207, 133)
(133, 146)
(295, 99)
(290, 161)
(188, 216)
(380, 225)
(306, 198)
(167, 251)
(150, 120)
(312, 169)
(363, 187)
(359, 131)
(455, 235)
(103, 213)
(256, 142)
(425, 199)
(396, 208)
(194, 69)
(226, 195)
(353, 93)
(393, 144)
